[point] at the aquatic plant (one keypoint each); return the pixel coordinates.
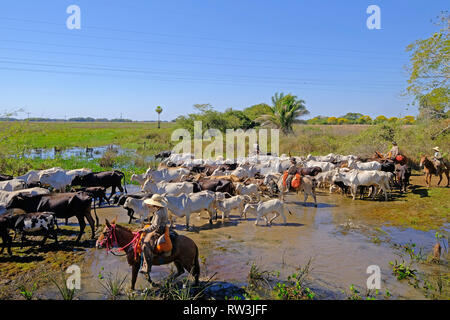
(27, 293)
(257, 277)
(295, 288)
(66, 293)
(114, 285)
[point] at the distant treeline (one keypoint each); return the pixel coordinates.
(359, 118)
(78, 119)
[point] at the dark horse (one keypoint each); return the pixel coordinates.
(430, 169)
(184, 252)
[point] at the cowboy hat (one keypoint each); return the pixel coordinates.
(394, 143)
(436, 149)
(156, 200)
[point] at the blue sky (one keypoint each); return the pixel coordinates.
(131, 56)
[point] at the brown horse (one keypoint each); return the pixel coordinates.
(430, 169)
(184, 253)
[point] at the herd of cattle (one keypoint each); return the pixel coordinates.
(251, 185)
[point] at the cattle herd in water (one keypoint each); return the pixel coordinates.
(253, 185)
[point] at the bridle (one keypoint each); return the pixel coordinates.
(111, 242)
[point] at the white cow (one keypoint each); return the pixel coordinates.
(138, 206)
(58, 179)
(6, 196)
(249, 190)
(356, 178)
(31, 176)
(262, 209)
(226, 205)
(139, 178)
(372, 165)
(13, 185)
(186, 204)
(78, 172)
(171, 188)
(325, 166)
(167, 175)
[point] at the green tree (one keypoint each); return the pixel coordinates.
(429, 71)
(380, 119)
(408, 120)
(435, 104)
(158, 110)
(285, 111)
(352, 116)
(364, 120)
(256, 110)
(392, 119)
(332, 120)
(342, 121)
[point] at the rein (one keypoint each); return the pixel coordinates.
(113, 238)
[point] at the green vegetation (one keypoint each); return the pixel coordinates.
(429, 71)
(66, 293)
(114, 285)
(358, 118)
(27, 293)
(285, 111)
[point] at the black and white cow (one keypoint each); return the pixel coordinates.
(35, 223)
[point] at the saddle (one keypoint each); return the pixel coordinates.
(162, 247)
(295, 182)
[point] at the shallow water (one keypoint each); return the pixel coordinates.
(336, 235)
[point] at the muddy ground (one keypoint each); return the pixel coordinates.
(341, 237)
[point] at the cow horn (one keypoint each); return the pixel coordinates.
(107, 223)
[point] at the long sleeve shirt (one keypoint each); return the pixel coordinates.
(394, 151)
(160, 219)
(437, 155)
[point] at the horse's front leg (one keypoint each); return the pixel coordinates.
(147, 275)
(440, 179)
(134, 274)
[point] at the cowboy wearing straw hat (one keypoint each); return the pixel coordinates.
(152, 244)
(437, 159)
(394, 152)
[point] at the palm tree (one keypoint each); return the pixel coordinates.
(158, 110)
(284, 113)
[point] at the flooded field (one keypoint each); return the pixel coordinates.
(339, 236)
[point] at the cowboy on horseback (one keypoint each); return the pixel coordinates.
(291, 172)
(394, 152)
(153, 243)
(437, 159)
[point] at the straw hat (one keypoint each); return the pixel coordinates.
(156, 200)
(436, 149)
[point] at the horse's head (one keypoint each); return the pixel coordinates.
(422, 160)
(106, 239)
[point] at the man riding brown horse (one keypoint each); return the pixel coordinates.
(291, 172)
(153, 241)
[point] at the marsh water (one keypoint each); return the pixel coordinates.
(336, 235)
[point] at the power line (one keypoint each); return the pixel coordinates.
(301, 47)
(163, 72)
(193, 62)
(320, 53)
